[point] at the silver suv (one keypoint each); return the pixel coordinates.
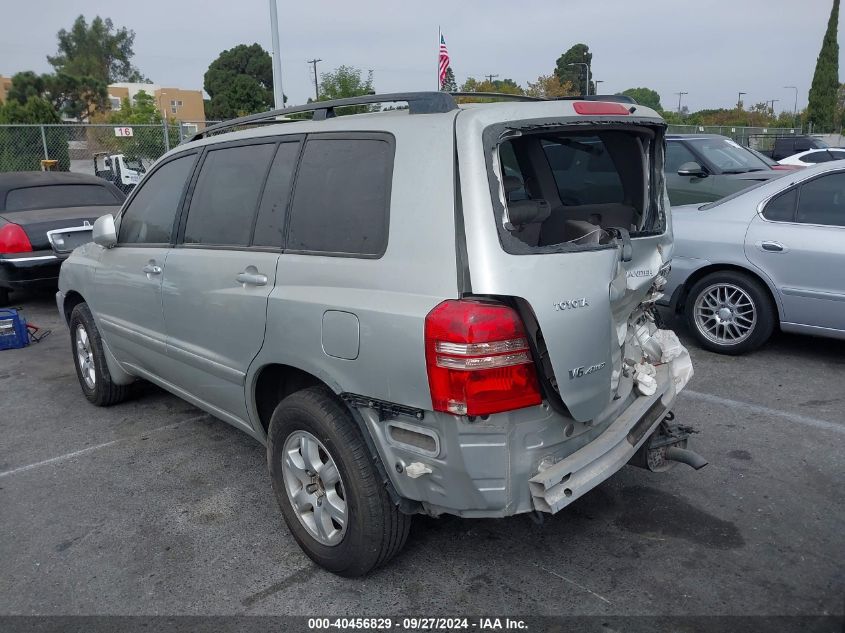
(417, 310)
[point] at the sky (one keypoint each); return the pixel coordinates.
(711, 49)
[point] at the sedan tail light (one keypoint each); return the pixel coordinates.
(478, 359)
(13, 239)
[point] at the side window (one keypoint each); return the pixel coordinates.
(816, 157)
(342, 195)
(226, 195)
(837, 155)
(822, 201)
(270, 225)
(676, 155)
(149, 217)
(781, 208)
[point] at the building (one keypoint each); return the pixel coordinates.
(5, 85)
(173, 103)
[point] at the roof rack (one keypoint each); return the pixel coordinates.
(418, 103)
(497, 95)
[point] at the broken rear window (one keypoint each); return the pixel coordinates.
(562, 189)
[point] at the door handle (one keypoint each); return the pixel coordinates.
(772, 247)
(251, 279)
(151, 269)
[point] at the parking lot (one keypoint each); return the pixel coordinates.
(154, 507)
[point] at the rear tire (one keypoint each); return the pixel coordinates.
(730, 312)
(310, 427)
(89, 359)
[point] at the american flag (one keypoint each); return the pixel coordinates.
(444, 60)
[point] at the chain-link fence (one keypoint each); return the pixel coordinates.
(759, 138)
(79, 147)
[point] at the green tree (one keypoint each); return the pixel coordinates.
(98, 50)
(239, 82)
(77, 97)
(345, 81)
(644, 96)
(26, 84)
(570, 67)
(821, 107)
(449, 83)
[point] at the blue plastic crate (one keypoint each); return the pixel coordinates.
(13, 332)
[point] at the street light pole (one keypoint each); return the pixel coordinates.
(278, 93)
(313, 62)
(587, 66)
(795, 107)
(773, 101)
(597, 82)
(739, 100)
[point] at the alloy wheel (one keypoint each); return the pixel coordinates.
(725, 314)
(315, 488)
(85, 357)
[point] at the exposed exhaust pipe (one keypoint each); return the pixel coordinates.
(685, 456)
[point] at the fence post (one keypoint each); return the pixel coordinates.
(44, 143)
(166, 135)
(181, 133)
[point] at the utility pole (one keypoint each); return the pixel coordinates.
(490, 78)
(278, 93)
(739, 100)
(313, 62)
(795, 107)
(596, 83)
(680, 95)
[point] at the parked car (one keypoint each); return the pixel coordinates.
(768, 256)
(706, 167)
(32, 204)
(786, 146)
(433, 320)
(814, 157)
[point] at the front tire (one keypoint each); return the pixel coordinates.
(331, 496)
(90, 361)
(730, 312)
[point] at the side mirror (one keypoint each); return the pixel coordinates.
(692, 169)
(104, 232)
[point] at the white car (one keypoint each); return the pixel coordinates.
(813, 157)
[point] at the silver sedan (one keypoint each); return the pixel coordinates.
(772, 255)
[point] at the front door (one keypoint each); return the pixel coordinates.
(799, 241)
(219, 277)
(127, 288)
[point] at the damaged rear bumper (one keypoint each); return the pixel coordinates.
(557, 485)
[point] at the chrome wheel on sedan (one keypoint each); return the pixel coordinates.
(725, 314)
(85, 357)
(314, 487)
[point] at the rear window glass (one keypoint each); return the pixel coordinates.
(56, 196)
(341, 197)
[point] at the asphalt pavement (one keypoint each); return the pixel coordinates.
(154, 507)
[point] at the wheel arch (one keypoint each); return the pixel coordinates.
(273, 383)
(679, 301)
(72, 299)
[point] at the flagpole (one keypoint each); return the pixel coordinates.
(439, 36)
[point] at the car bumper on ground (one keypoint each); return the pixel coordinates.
(35, 269)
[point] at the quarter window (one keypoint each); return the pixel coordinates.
(150, 215)
(816, 157)
(341, 197)
(822, 201)
(226, 195)
(781, 208)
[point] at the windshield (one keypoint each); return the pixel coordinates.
(135, 164)
(727, 155)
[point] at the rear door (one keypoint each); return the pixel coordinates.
(799, 241)
(222, 271)
(582, 292)
(127, 290)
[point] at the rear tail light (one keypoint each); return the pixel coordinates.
(13, 239)
(478, 359)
